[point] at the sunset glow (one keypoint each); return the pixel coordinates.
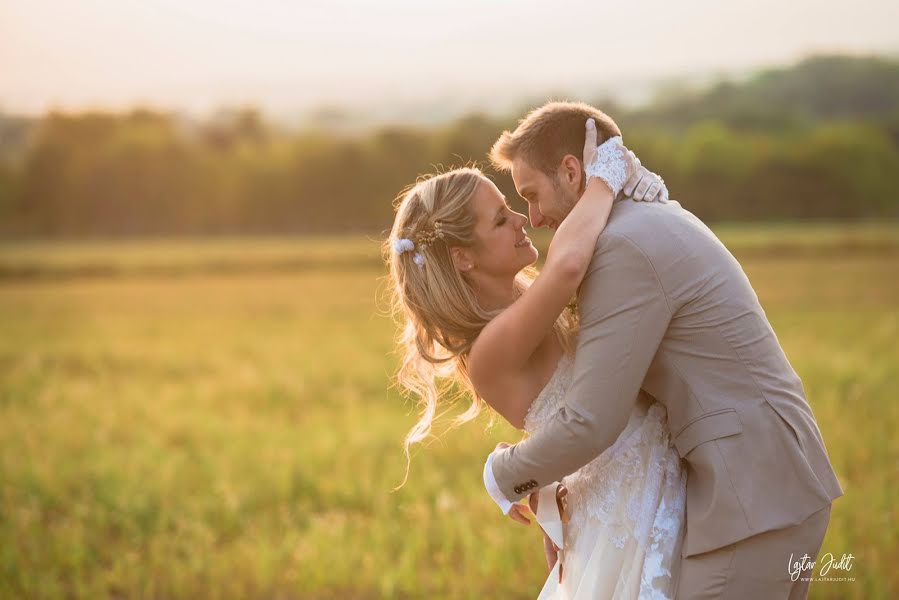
(284, 55)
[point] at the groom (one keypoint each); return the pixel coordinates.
(666, 308)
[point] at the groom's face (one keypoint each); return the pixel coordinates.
(549, 198)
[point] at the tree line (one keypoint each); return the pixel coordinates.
(818, 140)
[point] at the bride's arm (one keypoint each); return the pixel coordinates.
(505, 344)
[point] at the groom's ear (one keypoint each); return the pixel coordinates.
(462, 258)
(570, 170)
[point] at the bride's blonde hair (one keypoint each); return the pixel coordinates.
(436, 309)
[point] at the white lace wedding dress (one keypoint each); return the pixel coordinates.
(626, 506)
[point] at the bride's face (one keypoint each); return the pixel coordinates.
(501, 246)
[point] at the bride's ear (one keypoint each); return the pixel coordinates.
(462, 259)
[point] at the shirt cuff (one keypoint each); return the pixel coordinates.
(493, 487)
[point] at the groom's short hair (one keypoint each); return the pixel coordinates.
(548, 133)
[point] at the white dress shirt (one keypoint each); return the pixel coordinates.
(493, 487)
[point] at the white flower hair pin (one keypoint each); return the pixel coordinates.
(403, 245)
(406, 245)
(425, 238)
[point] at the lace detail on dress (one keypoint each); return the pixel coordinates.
(635, 491)
(665, 536)
(549, 400)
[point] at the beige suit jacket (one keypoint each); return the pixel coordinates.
(666, 308)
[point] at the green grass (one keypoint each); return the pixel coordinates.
(188, 256)
(232, 432)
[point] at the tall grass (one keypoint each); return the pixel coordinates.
(233, 434)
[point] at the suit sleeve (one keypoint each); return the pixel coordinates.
(624, 314)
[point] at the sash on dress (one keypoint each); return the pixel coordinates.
(551, 521)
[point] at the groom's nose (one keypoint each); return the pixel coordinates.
(537, 218)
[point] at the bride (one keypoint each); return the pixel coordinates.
(473, 309)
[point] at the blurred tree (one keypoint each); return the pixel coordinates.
(818, 140)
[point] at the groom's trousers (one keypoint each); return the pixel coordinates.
(756, 567)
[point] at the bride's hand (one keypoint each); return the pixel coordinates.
(610, 162)
(645, 186)
(610, 159)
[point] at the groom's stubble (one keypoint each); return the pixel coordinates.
(566, 197)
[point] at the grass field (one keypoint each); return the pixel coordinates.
(215, 420)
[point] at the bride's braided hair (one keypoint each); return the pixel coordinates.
(427, 236)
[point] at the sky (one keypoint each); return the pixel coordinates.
(283, 56)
